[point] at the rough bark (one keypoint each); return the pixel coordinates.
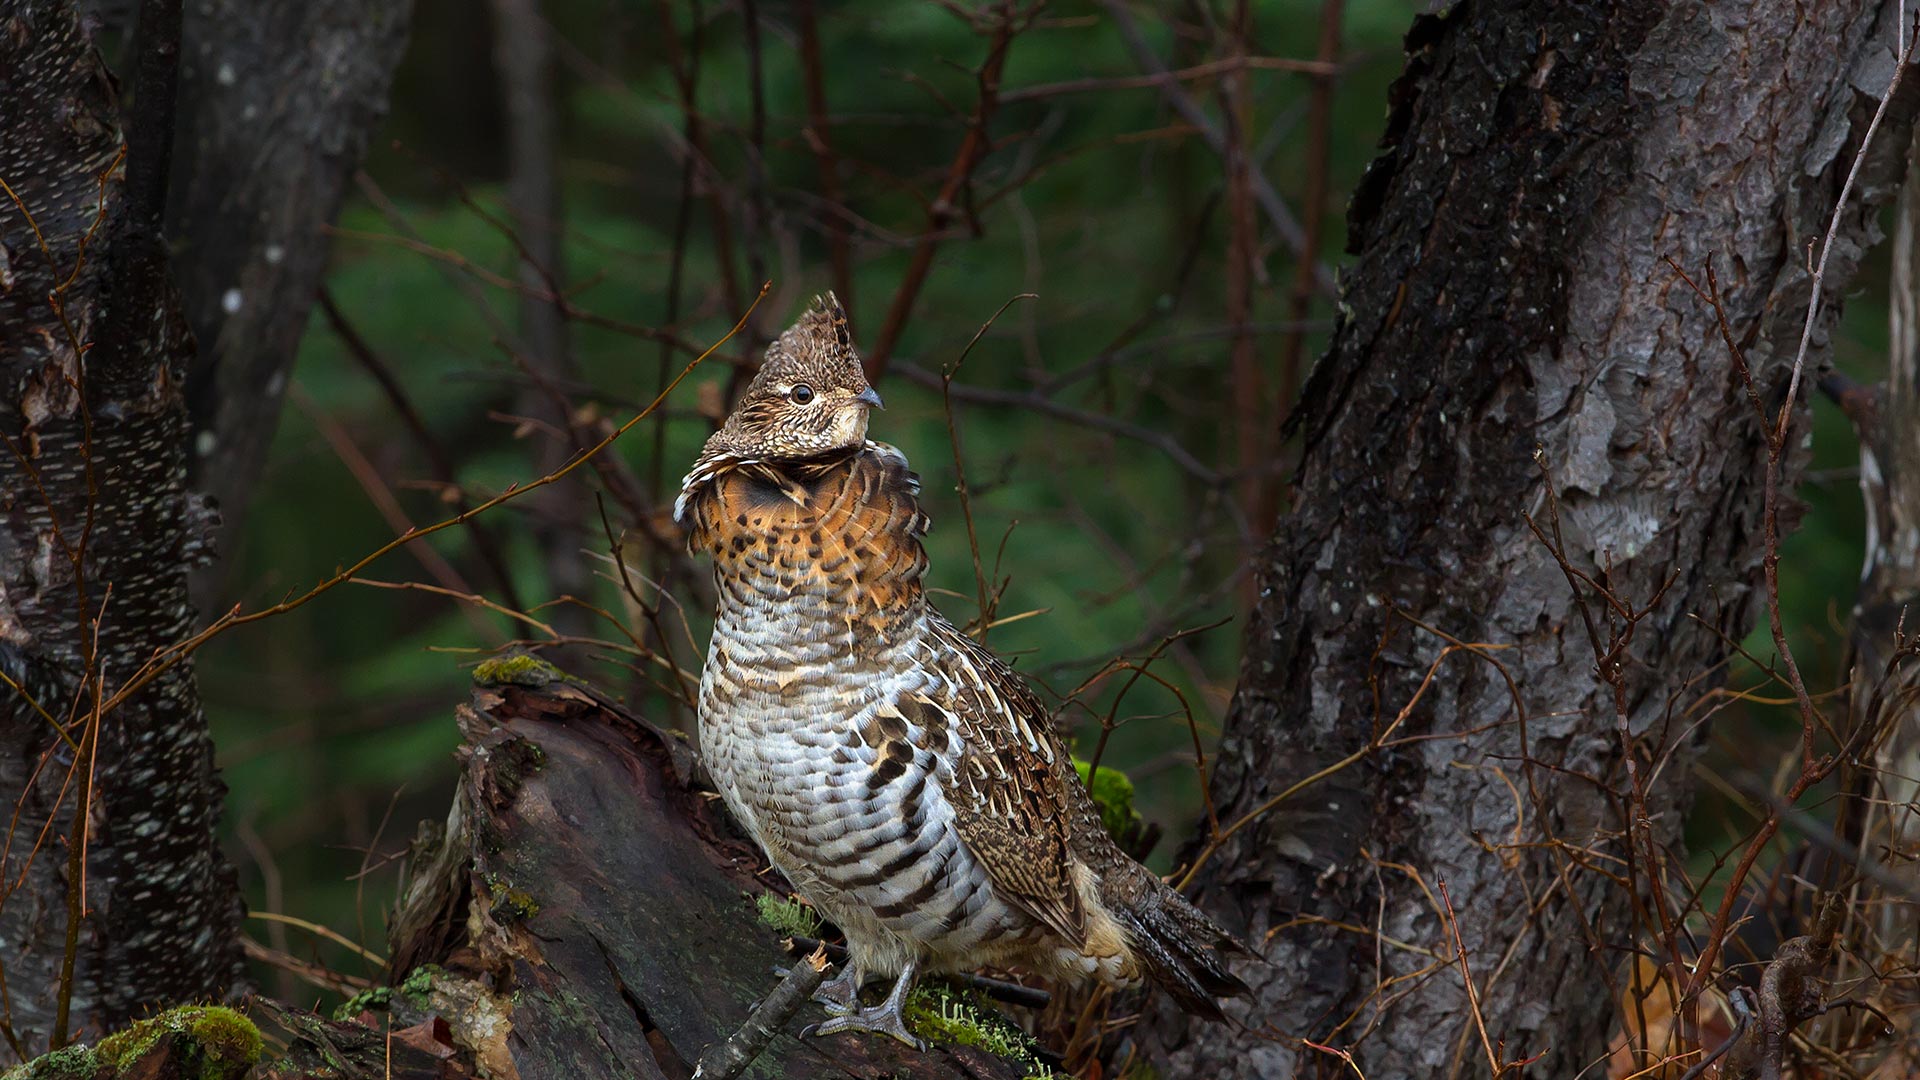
(97, 533)
(278, 100)
(607, 904)
(1542, 159)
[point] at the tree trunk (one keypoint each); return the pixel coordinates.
(97, 532)
(523, 52)
(1512, 298)
(278, 101)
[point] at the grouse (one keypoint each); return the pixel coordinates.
(903, 777)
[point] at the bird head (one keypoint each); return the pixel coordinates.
(810, 396)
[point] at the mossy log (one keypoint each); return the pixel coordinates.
(189, 1043)
(592, 914)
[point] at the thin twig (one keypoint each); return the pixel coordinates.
(321, 931)
(1181, 102)
(1319, 68)
(985, 620)
(1473, 993)
(1812, 769)
(375, 487)
(730, 1058)
(940, 213)
(1743, 1016)
(436, 454)
(1046, 406)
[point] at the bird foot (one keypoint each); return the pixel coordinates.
(840, 995)
(881, 1020)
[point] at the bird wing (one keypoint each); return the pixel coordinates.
(1009, 806)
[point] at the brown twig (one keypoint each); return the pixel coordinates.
(306, 971)
(1494, 1064)
(1189, 110)
(1743, 1017)
(1791, 992)
(1108, 722)
(1007, 21)
(1035, 402)
(985, 620)
(1313, 206)
(77, 869)
(819, 136)
(732, 1056)
(1379, 739)
(1319, 68)
(435, 452)
(374, 486)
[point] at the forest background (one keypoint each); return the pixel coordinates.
(1104, 429)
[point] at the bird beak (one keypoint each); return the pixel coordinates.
(870, 399)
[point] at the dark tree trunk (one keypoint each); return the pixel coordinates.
(278, 100)
(523, 52)
(97, 532)
(1542, 160)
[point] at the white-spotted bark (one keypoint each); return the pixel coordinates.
(97, 533)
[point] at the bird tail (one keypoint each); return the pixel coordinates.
(1180, 948)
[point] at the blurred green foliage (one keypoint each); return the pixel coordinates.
(334, 722)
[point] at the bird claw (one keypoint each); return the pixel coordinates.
(840, 995)
(881, 1020)
(834, 1006)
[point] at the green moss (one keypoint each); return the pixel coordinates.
(373, 1000)
(518, 669)
(214, 1043)
(940, 1013)
(73, 1063)
(419, 982)
(1112, 792)
(412, 994)
(227, 1038)
(790, 917)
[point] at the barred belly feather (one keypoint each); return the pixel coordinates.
(802, 731)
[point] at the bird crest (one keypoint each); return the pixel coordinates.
(809, 400)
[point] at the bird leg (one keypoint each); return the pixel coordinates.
(841, 994)
(887, 1018)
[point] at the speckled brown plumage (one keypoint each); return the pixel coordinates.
(904, 778)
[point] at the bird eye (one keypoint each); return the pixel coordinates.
(801, 393)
